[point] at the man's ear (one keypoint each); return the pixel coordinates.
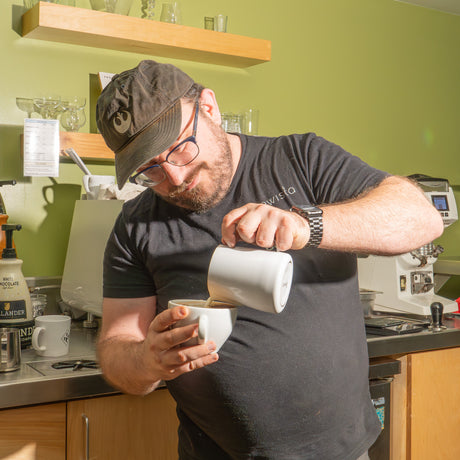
(209, 106)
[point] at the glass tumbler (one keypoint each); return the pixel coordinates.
(220, 23)
(209, 23)
(39, 302)
(171, 12)
(251, 122)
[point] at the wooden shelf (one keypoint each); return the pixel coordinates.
(80, 26)
(88, 146)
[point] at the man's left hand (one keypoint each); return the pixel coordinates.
(265, 226)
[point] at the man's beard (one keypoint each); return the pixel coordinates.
(199, 199)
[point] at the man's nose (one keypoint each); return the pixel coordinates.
(174, 174)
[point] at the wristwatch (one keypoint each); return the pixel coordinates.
(314, 217)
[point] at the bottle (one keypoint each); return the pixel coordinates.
(3, 215)
(15, 303)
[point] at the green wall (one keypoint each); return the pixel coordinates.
(378, 77)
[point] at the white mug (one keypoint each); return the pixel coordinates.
(94, 183)
(214, 323)
(51, 335)
(255, 278)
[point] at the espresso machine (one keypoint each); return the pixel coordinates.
(405, 283)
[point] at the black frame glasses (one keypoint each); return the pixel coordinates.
(142, 179)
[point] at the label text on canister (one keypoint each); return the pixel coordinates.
(9, 282)
(26, 329)
(12, 309)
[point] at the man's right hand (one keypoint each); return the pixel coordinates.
(137, 348)
(164, 357)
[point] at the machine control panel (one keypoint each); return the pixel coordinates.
(444, 202)
(440, 193)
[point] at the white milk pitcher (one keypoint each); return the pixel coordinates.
(255, 278)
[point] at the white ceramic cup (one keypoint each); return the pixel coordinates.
(94, 183)
(51, 335)
(214, 323)
(255, 278)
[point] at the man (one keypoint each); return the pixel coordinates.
(286, 386)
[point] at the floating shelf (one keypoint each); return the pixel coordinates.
(88, 146)
(80, 26)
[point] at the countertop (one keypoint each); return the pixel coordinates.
(379, 346)
(36, 382)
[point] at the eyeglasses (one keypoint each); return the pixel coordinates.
(181, 155)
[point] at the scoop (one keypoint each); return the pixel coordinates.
(77, 160)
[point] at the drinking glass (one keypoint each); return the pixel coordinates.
(30, 3)
(74, 102)
(73, 119)
(232, 122)
(48, 106)
(171, 12)
(251, 122)
(148, 9)
(26, 105)
(209, 23)
(112, 6)
(220, 23)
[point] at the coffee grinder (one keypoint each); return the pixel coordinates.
(406, 282)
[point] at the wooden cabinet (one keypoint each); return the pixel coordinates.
(110, 427)
(426, 406)
(33, 433)
(123, 427)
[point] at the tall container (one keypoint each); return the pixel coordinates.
(3, 215)
(15, 303)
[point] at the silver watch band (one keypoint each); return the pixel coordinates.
(314, 217)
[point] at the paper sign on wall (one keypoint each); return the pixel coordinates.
(105, 78)
(41, 147)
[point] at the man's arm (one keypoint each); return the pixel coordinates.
(393, 218)
(137, 349)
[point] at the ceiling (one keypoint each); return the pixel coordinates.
(448, 6)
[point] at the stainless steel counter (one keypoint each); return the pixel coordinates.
(36, 382)
(409, 343)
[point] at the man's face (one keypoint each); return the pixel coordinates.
(203, 183)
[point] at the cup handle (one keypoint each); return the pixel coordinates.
(35, 339)
(86, 183)
(203, 329)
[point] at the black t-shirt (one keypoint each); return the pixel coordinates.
(288, 386)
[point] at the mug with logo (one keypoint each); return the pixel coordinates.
(51, 335)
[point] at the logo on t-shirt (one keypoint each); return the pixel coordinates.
(280, 196)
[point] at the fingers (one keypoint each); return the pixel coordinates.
(229, 224)
(187, 359)
(193, 365)
(164, 336)
(165, 357)
(167, 318)
(265, 226)
(179, 360)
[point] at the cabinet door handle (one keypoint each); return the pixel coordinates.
(86, 445)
